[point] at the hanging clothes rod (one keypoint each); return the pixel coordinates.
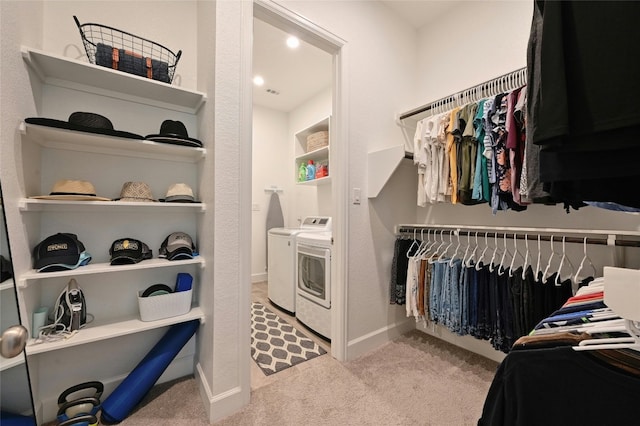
(493, 87)
(606, 237)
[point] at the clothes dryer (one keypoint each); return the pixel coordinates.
(281, 272)
(313, 297)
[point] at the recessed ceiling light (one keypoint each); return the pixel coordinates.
(293, 42)
(258, 81)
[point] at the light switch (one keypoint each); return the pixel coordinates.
(356, 195)
(255, 207)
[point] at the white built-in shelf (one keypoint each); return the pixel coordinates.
(7, 285)
(38, 205)
(313, 182)
(7, 363)
(301, 136)
(380, 167)
(318, 154)
(94, 332)
(74, 74)
(51, 137)
(100, 268)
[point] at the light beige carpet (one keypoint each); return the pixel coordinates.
(415, 380)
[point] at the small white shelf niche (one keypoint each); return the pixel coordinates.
(380, 167)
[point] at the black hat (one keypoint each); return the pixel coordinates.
(5, 269)
(174, 132)
(128, 250)
(59, 252)
(177, 246)
(84, 122)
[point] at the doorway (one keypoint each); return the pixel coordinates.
(274, 164)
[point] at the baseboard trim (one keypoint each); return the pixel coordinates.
(256, 278)
(223, 404)
(377, 338)
(480, 347)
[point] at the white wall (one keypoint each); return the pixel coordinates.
(272, 166)
(469, 44)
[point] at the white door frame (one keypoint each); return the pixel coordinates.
(287, 20)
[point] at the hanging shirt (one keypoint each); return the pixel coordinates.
(436, 158)
(453, 131)
(481, 177)
(420, 160)
(468, 148)
(444, 177)
(514, 147)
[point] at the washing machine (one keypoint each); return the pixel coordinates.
(281, 268)
(313, 292)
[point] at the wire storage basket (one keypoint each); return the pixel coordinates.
(123, 51)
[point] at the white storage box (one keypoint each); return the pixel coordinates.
(164, 306)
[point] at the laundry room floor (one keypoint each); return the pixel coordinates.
(259, 293)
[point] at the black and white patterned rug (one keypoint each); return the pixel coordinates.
(276, 344)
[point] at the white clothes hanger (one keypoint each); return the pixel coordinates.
(631, 342)
(455, 251)
(546, 270)
(426, 243)
(472, 256)
(538, 270)
(515, 252)
(577, 278)
(501, 269)
(527, 259)
(492, 265)
(481, 259)
(444, 253)
(430, 249)
(465, 259)
(420, 251)
(436, 253)
(415, 242)
(564, 258)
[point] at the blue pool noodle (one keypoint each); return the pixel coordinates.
(135, 386)
(11, 419)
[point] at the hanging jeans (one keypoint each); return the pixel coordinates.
(453, 300)
(466, 278)
(473, 302)
(437, 279)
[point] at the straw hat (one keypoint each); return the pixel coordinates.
(136, 191)
(179, 193)
(73, 190)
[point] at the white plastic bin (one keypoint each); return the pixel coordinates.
(153, 308)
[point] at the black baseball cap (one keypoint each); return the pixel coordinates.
(59, 252)
(126, 251)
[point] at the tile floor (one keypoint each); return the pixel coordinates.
(258, 378)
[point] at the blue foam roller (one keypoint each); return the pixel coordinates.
(11, 419)
(135, 386)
